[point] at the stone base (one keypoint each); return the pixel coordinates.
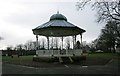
(56, 59)
(46, 59)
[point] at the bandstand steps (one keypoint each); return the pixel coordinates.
(66, 59)
(56, 59)
(71, 59)
(60, 60)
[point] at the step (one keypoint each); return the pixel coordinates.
(71, 59)
(60, 60)
(66, 59)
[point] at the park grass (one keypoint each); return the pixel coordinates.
(26, 61)
(91, 59)
(0, 57)
(22, 60)
(15, 58)
(98, 58)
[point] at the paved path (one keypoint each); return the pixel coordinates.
(111, 68)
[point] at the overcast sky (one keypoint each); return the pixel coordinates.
(19, 17)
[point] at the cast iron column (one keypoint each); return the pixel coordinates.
(81, 39)
(48, 42)
(62, 43)
(36, 42)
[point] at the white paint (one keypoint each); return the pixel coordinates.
(66, 66)
(30, 67)
(84, 66)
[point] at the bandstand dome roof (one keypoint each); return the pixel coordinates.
(57, 26)
(58, 17)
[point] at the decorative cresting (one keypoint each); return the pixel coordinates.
(57, 26)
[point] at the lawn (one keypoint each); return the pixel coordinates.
(91, 59)
(0, 57)
(99, 58)
(26, 61)
(15, 58)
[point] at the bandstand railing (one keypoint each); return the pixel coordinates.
(74, 52)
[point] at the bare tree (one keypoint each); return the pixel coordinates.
(43, 43)
(106, 10)
(109, 36)
(34, 45)
(25, 47)
(67, 43)
(9, 48)
(30, 45)
(39, 45)
(108, 39)
(20, 47)
(55, 42)
(51, 43)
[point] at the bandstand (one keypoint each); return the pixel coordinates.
(58, 26)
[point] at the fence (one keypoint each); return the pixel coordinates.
(76, 52)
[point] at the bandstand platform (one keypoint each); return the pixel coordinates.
(58, 26)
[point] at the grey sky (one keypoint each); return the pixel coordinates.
(19, 17)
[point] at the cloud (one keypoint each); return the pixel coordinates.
(19, 17)
(26, 14)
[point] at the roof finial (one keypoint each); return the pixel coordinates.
(58, 12)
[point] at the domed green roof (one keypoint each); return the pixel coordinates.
(58, 17)
(58, 26)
